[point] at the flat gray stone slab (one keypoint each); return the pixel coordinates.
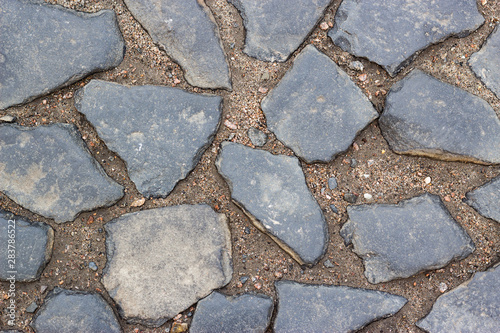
(322, 308)
(485, 62)
(67, 311)
(474, 306)
(45, 47)
(276, 28)
(163, 260)
(30, 250)
(272, 191)
(187, 30)
(159, 132)
(391, 32)
(398, 241)
(426, 117)
(49, 170)
(486, 199)
(244, 314)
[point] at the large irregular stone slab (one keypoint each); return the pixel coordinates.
(188, 32)
(426, 117)
(486, 199)
(159, 132)
(244, 314)
(316, 109)
(45, 47)
(392, 32)
(474, 306)
(274, 29)
(163, 260)
(485, 62)
(49, 170)
(321, 308)
(272, 191)
(398, 241)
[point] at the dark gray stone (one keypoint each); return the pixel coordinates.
(392, 32)
(322, 308)
(351, 197)
(316, 109)
(426, 117)
(257, 137)
(486, 199)
(49, 170)
(45, 47)
(32, 307)
(485, 62)
(398, 241)
(243, 314)
(271, 190)
(334, 209)
(332, 183)
(159, 132)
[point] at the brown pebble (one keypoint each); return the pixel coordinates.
(362, 77)
(324, 26)
(258, 285)
(263, 90)
(138, 202)
(230, 125)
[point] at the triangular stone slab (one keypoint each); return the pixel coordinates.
(486, 199)
(485, 62)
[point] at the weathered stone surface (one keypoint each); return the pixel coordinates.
(49, 170)
(474, 306)
(257, 137)
(188, 32)
(272, 191)
(391, 32)
(163, 260)
(398, 241)
(486, 199)
(321, 308)
(45, 47)
(159, 132)
(316, 109)
(424, 116)
(485, 62)
(244, 314)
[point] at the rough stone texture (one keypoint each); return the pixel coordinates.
(49, 170)
(163, 260)
(243, 314)
(398, 241)
(474, 306)
(485, 62)
(187, 31)
(391, 32)
(427, 117)
(272, 191)
(486, 199)
(321, 308)
(276, 28)
(316, 109)
(257, 137)
(159, 132)
(45, 47)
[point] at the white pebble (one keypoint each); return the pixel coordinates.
(368, 196)
(427, 180)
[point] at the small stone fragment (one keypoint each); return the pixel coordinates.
(43, 288)
(138, 202)
(262, 90)
(243, 279)
(179, 328)
(350, 197)
(230, 125)
(257, 137)
(332, 183)
(486, 199)
(328, 264)
(427, 180)
(265, 76)
(334, 209)
(485, 62)
(93, 266)
(368, 197)
(443, 287)
(324, 26)
(353, 163)
(356, 65)
(32, 307)
(7, 119)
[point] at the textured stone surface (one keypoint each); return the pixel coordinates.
(486, 199)
(163, 260)
(243, 314)
(45, 47)
(49, 170)
(485, 62)
(187, 31)
(272, 191)
(390, 32)
(257, 137)
(159, 132)
(427, 117)
(321, 308)
(398, 241)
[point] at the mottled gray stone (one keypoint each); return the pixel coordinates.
(316, 109)
(243, 314)
(272, 191)
(49, 170)
(257, 137)
(163, 260)
(332, 183)
(45, 47)
(322, 308)
(398, 241)
(486, 62)
(32, 307)
(159, 132)
(392, 32)
(424, 116)
(486, 199)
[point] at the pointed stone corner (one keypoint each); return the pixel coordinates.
(474, 306)
(391, 33)
(163, 260)
(276, 28)
(426, 117)
(316, 109)
(485, 62)
(322, 308)
(159, 132)
(398, 241)
(486, 199)
(49, 170)
(271, 190)
(36, 35)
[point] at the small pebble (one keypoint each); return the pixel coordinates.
(243, 279)
(356, 65)
(262, 90)
(265, 76)
(7, 119)
(334, 209)
(447, 198)
(363, 77)
(138, 202)
(324, 26)
(43, 288)
(328, 264)
(230, 125)
(443, 287)
(368, 196)
(32, 307)
(93, 266)
(179, 327)
(427, 180)
(247, 230)
(332, 183)
(258, 285)
(278, 275)
(353, 163)
(350, 197)
(323, 190)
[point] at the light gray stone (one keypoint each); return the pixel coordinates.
(257, 137)
(485, 62)
(332, 183)
(486, 199)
